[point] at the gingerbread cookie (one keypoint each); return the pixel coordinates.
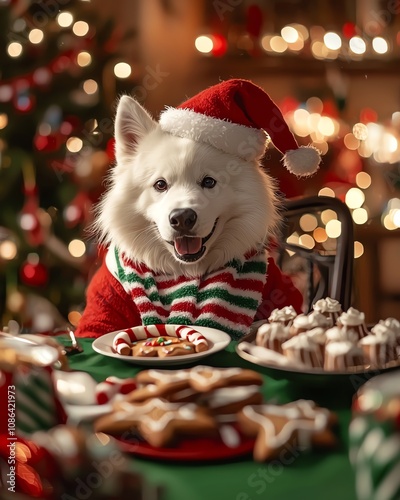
(301, 424)
(158, 421)
(224, 391)
(160, 384)
(162, 347)
(125, 340)
(227, 401)
(201, 378)
(207, 378)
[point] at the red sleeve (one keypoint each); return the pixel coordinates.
(108, 307)
(278, 292)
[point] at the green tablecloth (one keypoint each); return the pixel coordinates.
(310, 476)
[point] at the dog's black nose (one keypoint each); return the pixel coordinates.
(182, 218)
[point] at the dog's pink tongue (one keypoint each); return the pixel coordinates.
(186, 245)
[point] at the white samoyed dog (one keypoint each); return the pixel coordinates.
(179, 206)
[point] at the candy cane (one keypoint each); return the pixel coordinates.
(111, 386)
(123, 340)
(191, 335)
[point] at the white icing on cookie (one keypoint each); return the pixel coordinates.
(294, 413)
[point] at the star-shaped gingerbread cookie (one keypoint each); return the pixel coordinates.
(158, 421)
(300, 424)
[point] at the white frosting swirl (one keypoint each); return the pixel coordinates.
(391, 323)
(301, 321)
(317, 335)
(287, 313)
(312, 320)
(343, 348)
(337, 334)
(383, 332)
(301, 341)
(352, 317)
(318, 319)
(327, 305)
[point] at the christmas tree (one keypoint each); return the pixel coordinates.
(57, 94)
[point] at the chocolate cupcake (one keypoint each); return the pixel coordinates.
(379, 348)
(336, 334)
(355, 320)
(305, 322)
(340, 356)
(284, 316)
(330, 308)
(272, 335)
(318, 336)
(302, 348)
(390, 323)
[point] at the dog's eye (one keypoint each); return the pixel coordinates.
(161, 185)
(208, 182)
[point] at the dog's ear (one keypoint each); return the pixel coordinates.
(132, 123)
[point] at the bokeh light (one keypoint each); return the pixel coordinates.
(354, 198)
(333, 228)
(122, 70)
(83, 59)
(358, 249)
(36, 36)
(77, 248)
(332, 40)
(308, 222)
(65, 19)
(326, 192)
(80, 28)
(204, 44)
(363, 180)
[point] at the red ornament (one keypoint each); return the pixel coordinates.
(220, 45)
(46, 143)
(349, 30)
(34, 273)
(29, 219)
(77, 212)
(24, 103)
(368, 115)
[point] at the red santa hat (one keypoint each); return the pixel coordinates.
(238, 117)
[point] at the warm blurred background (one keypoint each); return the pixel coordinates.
(333, 67)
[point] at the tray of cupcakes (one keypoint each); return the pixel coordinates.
(327, 342)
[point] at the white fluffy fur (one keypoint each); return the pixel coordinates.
(246, 142)
(134, 216)
(302, 162)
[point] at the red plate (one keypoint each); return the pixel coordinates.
(193, 450)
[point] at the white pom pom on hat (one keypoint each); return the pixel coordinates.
(235, 116)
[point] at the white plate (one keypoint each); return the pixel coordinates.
(216, 339)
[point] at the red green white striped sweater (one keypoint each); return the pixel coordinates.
(226, 299)
(123, 294)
